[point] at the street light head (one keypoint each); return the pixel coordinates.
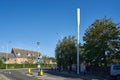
(38, 43)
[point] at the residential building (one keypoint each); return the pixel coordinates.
(20, 56)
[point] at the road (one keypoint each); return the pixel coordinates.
(54, 75)
(17, 74)
(21, 74)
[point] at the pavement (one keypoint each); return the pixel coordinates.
(56, 75)
(2, 77)
(71, 76)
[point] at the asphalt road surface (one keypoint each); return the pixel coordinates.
(19, 74)
(22, 74)
(55, 75)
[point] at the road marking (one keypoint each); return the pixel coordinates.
(3, 77)
(8, 72)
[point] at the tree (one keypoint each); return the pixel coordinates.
(45, 60)
(1, 62)
(52, 58)
(65, 51)
(103, 35)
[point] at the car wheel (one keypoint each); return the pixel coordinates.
(118, 77)
(112, 78)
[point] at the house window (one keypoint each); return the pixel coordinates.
(29, 55)
(18, 54)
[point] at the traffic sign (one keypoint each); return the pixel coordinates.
(38, 60)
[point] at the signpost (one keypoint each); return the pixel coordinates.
(38, 60)
(40, 72)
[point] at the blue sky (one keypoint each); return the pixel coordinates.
(23, 23)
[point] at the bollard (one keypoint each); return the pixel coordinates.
(41, 73)
(29, 70)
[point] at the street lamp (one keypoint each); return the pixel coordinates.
(78, 25)
(7, 54)
(39, 59)
(60, 36)
(6, 57)
(19, 55)
(38, 44)
(23, 60)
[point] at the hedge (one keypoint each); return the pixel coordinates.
(12, 66)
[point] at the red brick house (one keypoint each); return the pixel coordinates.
(20, 56)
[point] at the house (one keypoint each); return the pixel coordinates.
(6, 56)
(20, 56)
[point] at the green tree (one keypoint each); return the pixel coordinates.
(65, 51)
(44, 60)
(52, 58)
(1, 61)
(103, 35)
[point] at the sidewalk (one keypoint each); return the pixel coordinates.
(81, 76)
(2, 77)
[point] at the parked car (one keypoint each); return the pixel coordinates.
(115, 71)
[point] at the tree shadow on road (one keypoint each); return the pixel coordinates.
(73, 75)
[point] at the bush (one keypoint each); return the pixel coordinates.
(2, 66)
(12, 66)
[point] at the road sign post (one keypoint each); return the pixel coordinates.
(40, 72)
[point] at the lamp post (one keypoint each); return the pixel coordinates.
(23, 61)
(38, 44)
(78, 25)
(7, 54)
(6, 57)
(39, 60)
